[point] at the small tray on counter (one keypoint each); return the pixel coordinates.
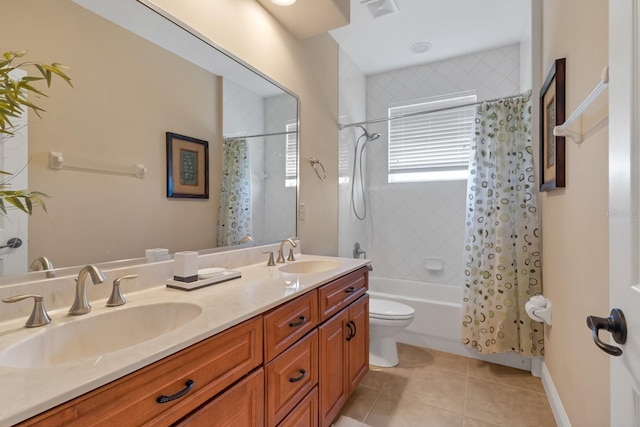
(201, 283)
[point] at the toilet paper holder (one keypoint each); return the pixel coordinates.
(538, 308)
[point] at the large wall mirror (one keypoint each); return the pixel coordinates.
(136, 76)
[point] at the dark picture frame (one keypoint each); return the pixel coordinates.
(552, 114)
(187, 167)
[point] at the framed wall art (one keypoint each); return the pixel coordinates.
(187, 167)
(552, 114)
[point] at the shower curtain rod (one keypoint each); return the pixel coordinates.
(437, 110)
(259, 135)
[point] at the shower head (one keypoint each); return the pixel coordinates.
(369, 136)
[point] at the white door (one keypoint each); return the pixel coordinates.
(624, 215)
(14, 225)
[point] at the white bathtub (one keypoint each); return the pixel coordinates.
(438, 318)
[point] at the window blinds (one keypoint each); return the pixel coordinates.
(431, 145)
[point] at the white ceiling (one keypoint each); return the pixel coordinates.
(453, 27)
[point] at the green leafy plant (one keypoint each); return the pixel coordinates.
(15, 98)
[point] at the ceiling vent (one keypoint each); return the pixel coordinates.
(380, 8)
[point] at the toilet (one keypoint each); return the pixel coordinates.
(386, 319)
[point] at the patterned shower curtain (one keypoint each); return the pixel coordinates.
(234, 220)
(502, 248)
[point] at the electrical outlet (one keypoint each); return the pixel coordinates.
(301, 212)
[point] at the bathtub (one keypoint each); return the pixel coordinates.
(437, 322)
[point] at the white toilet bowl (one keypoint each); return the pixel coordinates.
(386, 319)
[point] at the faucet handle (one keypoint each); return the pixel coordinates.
(39, 316)
(290, 257)
(116, 297)
(270, 263)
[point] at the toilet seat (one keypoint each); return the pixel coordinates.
(389, 310)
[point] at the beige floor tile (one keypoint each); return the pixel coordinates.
(344, 421)
(376, 378)
(360, 403)
(416, 358)
(507, 406)
(504, 375)
(472, 422)
(389, 411)
(442, 389)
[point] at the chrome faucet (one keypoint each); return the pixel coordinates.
(81, 304)
(43, 263)
(247, 238)
(281, 254)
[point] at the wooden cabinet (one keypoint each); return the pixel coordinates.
(344, 357)
(212, 365)
(277, 369)
(358, 344)
(241, 405)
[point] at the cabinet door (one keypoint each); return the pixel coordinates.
(333, 380)
(358, 347)
(241, 405)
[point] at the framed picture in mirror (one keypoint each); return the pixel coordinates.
(552, 114)
(187, 167)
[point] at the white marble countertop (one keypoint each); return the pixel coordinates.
(26, 392)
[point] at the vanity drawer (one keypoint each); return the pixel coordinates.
(286, 324)
(290, 377)
(213, 364)
(305, 414)
(241, 405)
(342, 292)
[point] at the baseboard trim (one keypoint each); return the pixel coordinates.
(562, 419)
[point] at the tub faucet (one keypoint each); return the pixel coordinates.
(281, 254)
(81, 304)
(357, 251)
(43, 263)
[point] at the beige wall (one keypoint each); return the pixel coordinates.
(307, 67)
(574, 226)
(101, 124)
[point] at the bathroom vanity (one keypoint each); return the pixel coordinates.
(283, 359)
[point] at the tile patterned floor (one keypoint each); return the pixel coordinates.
(436, 389)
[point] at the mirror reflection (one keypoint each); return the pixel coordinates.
(128, 91)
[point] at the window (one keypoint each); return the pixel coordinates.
(291, 156)
(432, 146)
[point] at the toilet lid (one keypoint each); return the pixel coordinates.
(385, 309)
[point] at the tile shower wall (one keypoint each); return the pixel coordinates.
(352, 108)
(410, 222)
(246, 113)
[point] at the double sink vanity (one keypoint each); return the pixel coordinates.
(282, 345)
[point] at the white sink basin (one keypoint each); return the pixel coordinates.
(96, 335)
(310, 266)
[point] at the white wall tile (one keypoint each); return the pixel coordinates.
(410, 222)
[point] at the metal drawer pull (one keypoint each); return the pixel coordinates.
(298, 323)
(295, 380)
(355, 330)
(350, 289)
(351, 333)
(164, 399)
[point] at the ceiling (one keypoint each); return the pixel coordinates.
(306, 18)
(452, 27)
